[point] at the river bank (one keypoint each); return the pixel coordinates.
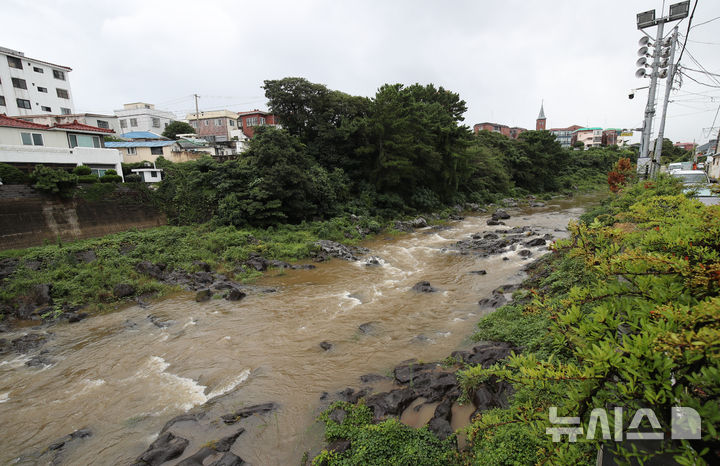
(124, 375)
(624, 314)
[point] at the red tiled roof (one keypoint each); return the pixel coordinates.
(81, 127)
(18, 123)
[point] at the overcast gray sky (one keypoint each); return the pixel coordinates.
(502, 57)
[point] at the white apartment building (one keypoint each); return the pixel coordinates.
(92, 119)
(29, 86)
(141, 116)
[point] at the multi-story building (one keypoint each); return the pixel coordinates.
(248, 121)
(29, 86)
(214, 126)
(141, 116)
(564, 135)
(610, 136)
(25, 144)
(685, 145)
(591, 137)
(507, 131)
(92, 119)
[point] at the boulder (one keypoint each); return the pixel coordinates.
(393, 402)
(327, 249)
(148, 268)
(202, 266)
(8, 267)
(203, 295)
(535, 242)
(525, 253)
(500, 214)
(234, 295)
(368, 328)
(123, 290)
(229, 459)
(406, 373)
(493, 222)
(419, 223)
(373, 261)
(423, 287)
(488, 353)
(165, 448)
(478, 272)
(264, 408)
(326, 346)
(339, 446)
(371, 378)
(440, 422)
(493, 301)
(337, 415)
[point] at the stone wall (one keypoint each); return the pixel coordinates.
(29, 218)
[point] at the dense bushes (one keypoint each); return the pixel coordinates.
(629, 318)
(54, 181)
(12, 175)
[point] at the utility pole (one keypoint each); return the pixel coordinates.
(646, 166)
(197, 113)
(655, 168)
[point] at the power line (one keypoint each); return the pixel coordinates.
(708, 21)
(687, 33)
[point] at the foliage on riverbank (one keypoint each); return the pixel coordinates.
(84, 273)
(630, 317)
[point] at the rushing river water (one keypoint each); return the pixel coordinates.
(123, 377)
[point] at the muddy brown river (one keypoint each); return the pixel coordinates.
(122, 377)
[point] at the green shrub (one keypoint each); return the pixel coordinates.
(54, 181)
(110, 176)
(133, 178)
(82, 170)
(12, 175)
(88, 179)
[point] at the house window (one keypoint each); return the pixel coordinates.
(2, 100)
(62, 93)
(19, 83)
(166, 125)
(131, 150)
(218, 122)
(32, 139)
(23, 103)
(84, 140)
(207, 122)
(262, 121)
(232, 123)
(133, 122)
(59, 75)
(14, 63)
(156, 150)
(42, 89)
(156, 122)
(46, 109)
(123, 123)
(38, 70)
(64, 111)
(252, 121)
(103, 124)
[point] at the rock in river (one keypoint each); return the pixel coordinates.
(423, 287)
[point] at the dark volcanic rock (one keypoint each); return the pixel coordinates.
(24, 343)
(479, 272)
(325, 345)
(329, 249)
(337, 415)
(368, 328)
(405, 373)
(500, 214)
(440, 422)
(264, 408)
(203, 295)
(492, 222)
(86, 256)
(339, 446)
(535, 242)
(8, 267)
(78, 434)
(224, 444)
(165, 448)
(202, 266)
(488, 353)
(148, 268)
(423, 287)
(229, 459)
(525, 253)
(492, 394)
(495, 300)
(235, 295)
(371, 378)
(40, 360)
(393, 402)
(351, 395)
(123, 290)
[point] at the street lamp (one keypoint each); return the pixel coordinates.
(662, 57)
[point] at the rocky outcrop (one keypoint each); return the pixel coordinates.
(166, 447)
(423, 287)
(328, 249)
(234, 417)
(123, 290)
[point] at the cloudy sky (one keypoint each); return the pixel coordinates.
(502, 57)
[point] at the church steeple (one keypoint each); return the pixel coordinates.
(540, 122)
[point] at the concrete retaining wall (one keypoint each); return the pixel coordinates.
(29, 218)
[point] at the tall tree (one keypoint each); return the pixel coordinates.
(177, 127)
